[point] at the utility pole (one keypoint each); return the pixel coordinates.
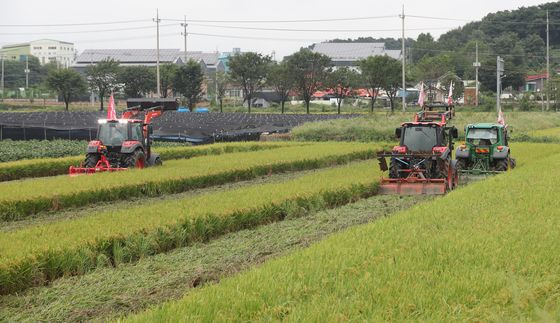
(26, 72)
(403, 64)
(157, 20)
(184, 33)
(547, 64)
(476, 65)
(499, 72)
(2, 79)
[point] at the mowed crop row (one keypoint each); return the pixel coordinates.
(23, 198)
(57, 166)
(485, 252)
(39, 254)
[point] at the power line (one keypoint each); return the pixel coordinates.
(284, 21)
(311, 30)
(436, 18)
(79, 24)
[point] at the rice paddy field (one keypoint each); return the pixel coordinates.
(273, 231)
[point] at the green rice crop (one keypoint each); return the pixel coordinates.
(381, 126)
(485, 252)
(36, 255)
(22, 198)
(58, 166)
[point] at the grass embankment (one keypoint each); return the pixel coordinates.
(58, 166)
(13, 150)
(19, 199)
(37, 255)
(109, 293)
(381, 126)
(485, 252)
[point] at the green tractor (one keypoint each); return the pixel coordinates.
(485, 150)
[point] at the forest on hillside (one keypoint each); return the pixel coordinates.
(518, 36)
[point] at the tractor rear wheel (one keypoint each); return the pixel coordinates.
(136, 160)
(91, 160)
(443, 166)
(502, 165)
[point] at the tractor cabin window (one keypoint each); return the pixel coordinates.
(483, 137)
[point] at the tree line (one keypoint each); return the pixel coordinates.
(108, 77)
(305, 72)
(300, 74)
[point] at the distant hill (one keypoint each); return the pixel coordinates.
(519, 36)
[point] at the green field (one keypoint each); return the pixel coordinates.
(42, 167)
(488, 253)
(280, 231)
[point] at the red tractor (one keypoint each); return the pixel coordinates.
(121, 143)
(422, 162)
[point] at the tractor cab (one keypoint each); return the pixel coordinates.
(114, 133)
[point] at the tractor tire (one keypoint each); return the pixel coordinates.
(394, 167)
(91, 160)
(136, 160)
(158, 162)
(461, 164)
(512, 163)
(443, 166)
(503, 165)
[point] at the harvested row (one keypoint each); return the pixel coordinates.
(57, 166)
(495, 258)
(40, 254)
(24, 198)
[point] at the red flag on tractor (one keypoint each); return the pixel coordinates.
(111, 114)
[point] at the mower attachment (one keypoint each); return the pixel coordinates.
(414, 184)
(412, 181)
(102, 165)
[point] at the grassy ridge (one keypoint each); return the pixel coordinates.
(24, 198)
(381, 126)
(485, 252)
(58, 166)
(37, 255)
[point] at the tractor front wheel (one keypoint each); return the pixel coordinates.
(91, 160)
(136, 160)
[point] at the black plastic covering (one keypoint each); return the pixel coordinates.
(197, 128)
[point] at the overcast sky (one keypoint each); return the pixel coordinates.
(284, 42)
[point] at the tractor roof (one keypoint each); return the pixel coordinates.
(485, 125)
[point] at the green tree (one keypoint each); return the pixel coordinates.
(103, 78)
(222, 81)
(14, 73)
(137, 81)
(250, 71)
(341, 81)
(373, 75)
(424, 46)
(167, 72)
(188, 81)
(392, 80)
(67, 83)
(309, 70)
(282, 80)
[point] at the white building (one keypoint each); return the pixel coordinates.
(46, 50)
(348, 54)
